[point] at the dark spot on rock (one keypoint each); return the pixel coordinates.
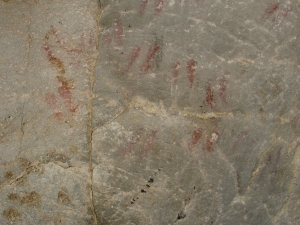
(33, 199)
(151, 180)
(143, 191)
(181, 215)
(13, 197)
(62, 197)
(23, 162)
(11, 214)
(9, 175)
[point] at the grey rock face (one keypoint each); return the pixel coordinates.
(149, 112)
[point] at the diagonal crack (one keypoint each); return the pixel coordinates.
(90, 117)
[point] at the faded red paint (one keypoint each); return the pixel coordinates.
(175, 74)
(270, 10)
(151, 53)
(133, 56)
(128, 148)
(222, 90)
(107, 40)
(55, 62)
(159, 6)
(210, 97)
(150, 140)
(118, 32)
(51, 100)
(197, 134)
(282, 14)
(211, 141)
(143, 6)
(191, 68)
(65, 92)
(239, 138)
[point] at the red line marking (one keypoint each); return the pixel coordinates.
(210, 97)
(222, 91)
(159, 6)
(143, 6)
(151, 53)
(197, 134)
(133, 56)
(191, 66)
(118, 32)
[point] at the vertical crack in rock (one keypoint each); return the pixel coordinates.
(90, 119)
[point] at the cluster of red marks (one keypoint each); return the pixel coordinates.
(197, 134)
(65, 92)
(210, 97)
(143, 6)
(210, 141)
(55, 62)
(191, 68)
(270, 10)
(239, 138)
(150, 55)
(175, 73)
(134, 54)
(52, 102)
(118, 32)
(147, 145)
(140, 137)
(222, 90)
(159, 6)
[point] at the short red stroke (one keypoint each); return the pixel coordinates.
(143, 6)
(191, 68)
(210, 97)
(149, 142)
(65, 92)
(222, 90)
(210, 141)
(150, 55)
(270, 10)
(197, 134)
(134, 54)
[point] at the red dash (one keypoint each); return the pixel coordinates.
(132, 142)
(191, 66)
(65, 92)
(151, 53)
(55, 62)
(270, 10)
(222, 91)
(118, 32)
(159, 6)
(176, 72)
(210, 141)
(107, 40)
(143, 6)
(149, 142)
(210, 97)
(133, 56)
(197, 134)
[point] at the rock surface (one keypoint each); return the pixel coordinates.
(149, 112)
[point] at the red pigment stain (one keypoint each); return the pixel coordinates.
(143, 6)
(151, 53)
(52, 102)
(222, 91)
(176, 72)
(210, 141)
(55, 62)
(159, 6)
(133, 56)
(195, 138)
(118, 32)
(282, 14)
(239, 138)
(151, 138)
(65, 92)
(107, 40)
(210, 97)
(270, 10)
(191, 66)
(127, 150)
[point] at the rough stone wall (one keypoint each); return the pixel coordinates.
(147, 112)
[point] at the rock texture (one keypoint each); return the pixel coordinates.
(149, 112)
